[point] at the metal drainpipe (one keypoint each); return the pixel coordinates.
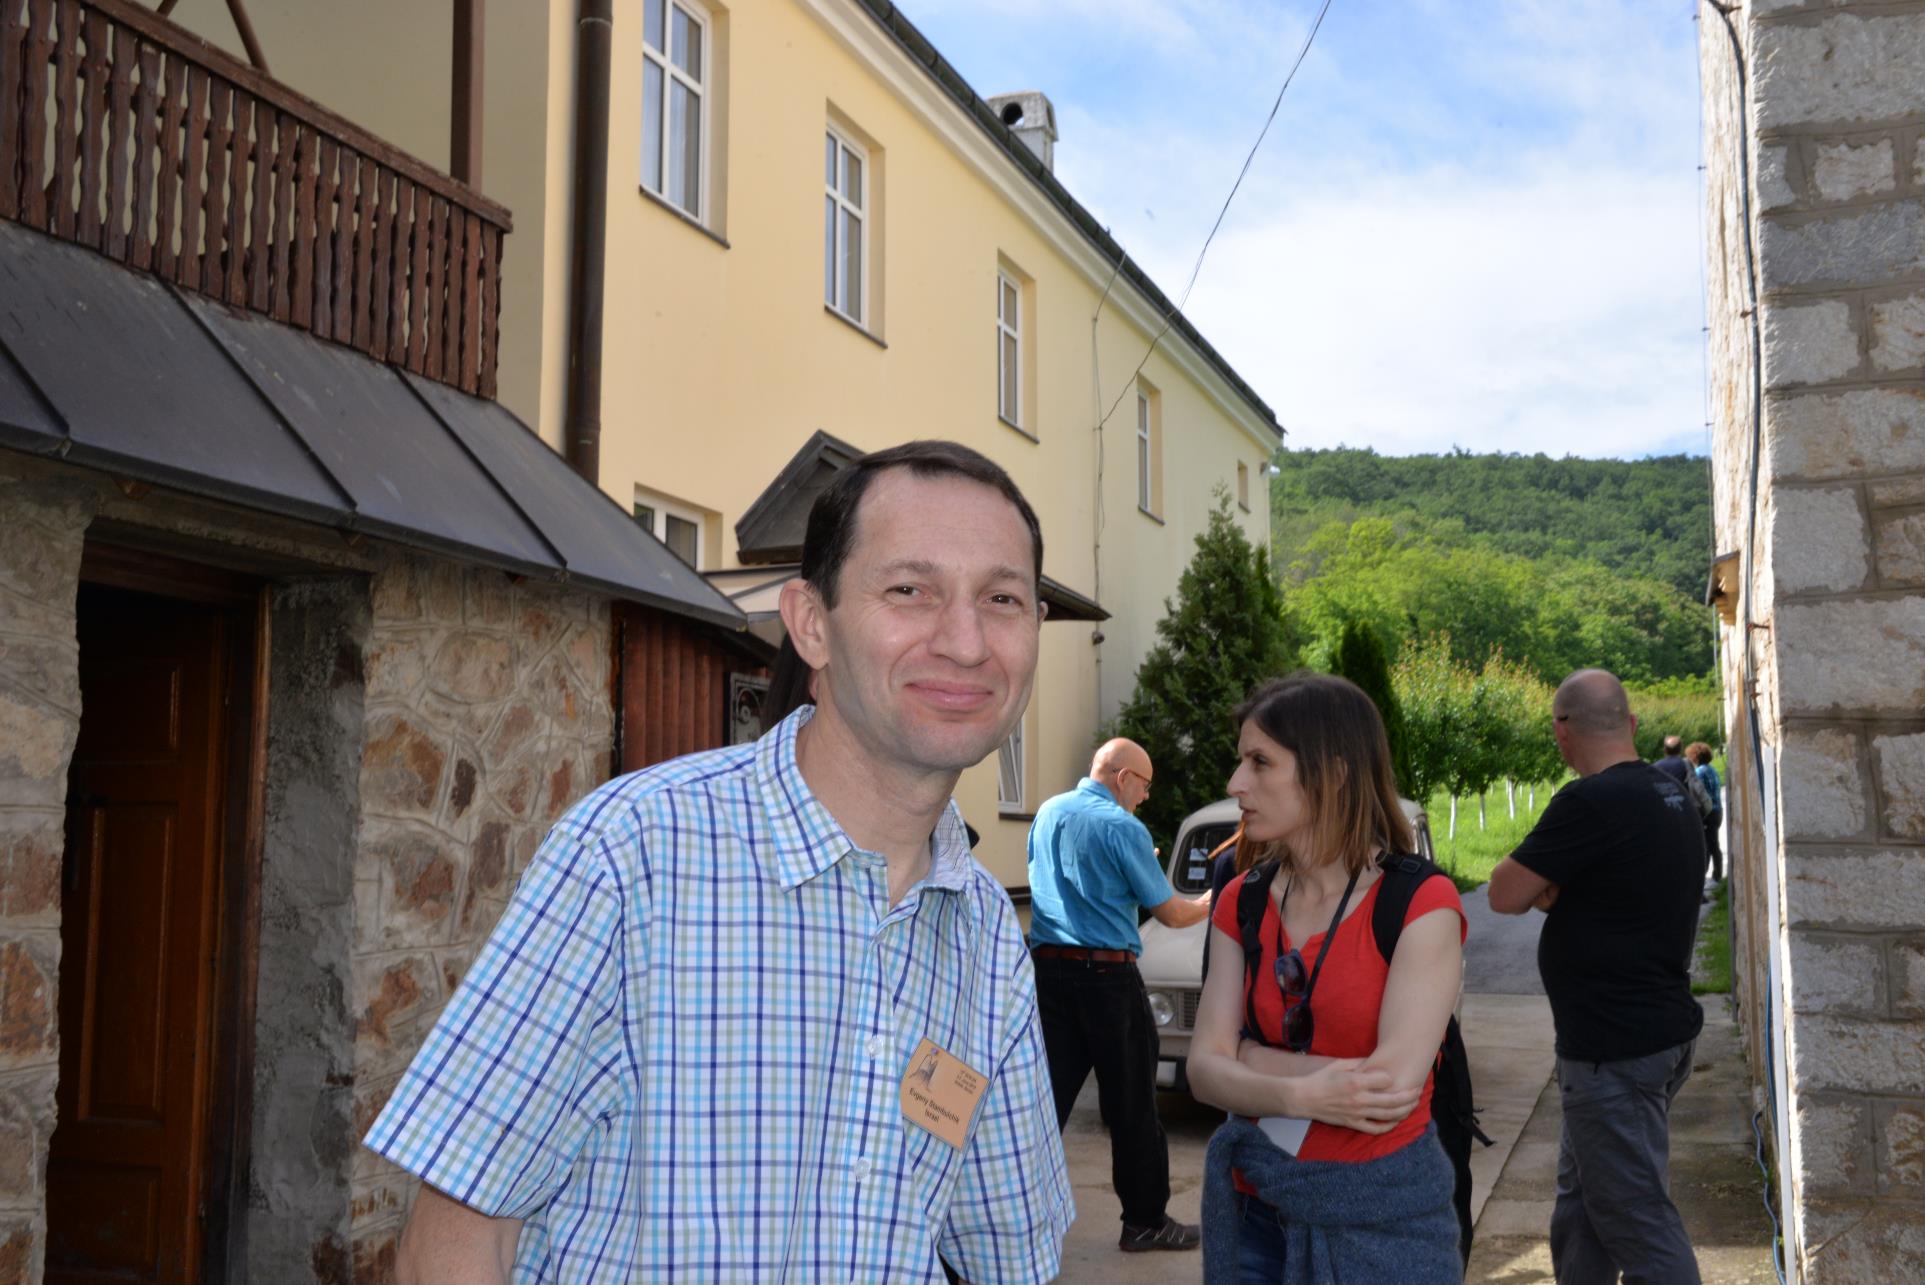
(582, 431)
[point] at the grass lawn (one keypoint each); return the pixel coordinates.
(1711, 964)
(1474, 853)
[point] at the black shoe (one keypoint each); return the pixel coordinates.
(1169, 1234)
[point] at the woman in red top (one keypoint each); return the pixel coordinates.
(1331, 1033)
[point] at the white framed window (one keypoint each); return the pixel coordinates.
(680, 529)
(1009, 350)
(1145, 453)
(1243, 486)
(1011, 793)
(845, 206)
(676, 40)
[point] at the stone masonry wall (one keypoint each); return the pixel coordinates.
(1838, 138)
(488, 712)
(39, 724)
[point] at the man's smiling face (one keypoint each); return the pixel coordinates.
(928, 655)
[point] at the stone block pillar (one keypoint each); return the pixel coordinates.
(1837, 596)
(39, 724)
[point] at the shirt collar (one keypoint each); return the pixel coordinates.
(806, 841)
(1090, 785)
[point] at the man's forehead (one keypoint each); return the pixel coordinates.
(942, 522)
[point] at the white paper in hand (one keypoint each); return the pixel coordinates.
(1287, 1131)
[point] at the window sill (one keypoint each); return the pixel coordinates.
(856, 326)
(1014, 427)
(682, 215)
(1014, 814)
(1151, 516)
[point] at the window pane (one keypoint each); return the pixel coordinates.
(652, 23)
(1010, 379)
(851, 178)
(1010, 305)
(651, 125)
(680, 538)
(684, 146)
(691, 149)
(1009, 769)
(687, 49)
(1142, 417)
(1142, 471)
(852, 265)
(829, 250)
(829, 161)
(645, 516)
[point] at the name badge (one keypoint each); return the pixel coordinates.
(941, 1093)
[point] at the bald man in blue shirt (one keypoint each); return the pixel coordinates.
(1091, 864)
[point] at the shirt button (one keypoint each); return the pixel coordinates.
(874, 1048)
(861, 1169)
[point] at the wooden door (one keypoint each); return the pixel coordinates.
(125, 1175)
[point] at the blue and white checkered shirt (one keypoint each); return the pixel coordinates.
(680, 1053)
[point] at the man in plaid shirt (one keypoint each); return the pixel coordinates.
(757, 1014)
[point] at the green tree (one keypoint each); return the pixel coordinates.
(1359, 656)
(1222, 635)
(1433, 698)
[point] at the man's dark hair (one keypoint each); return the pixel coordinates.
(832, 532)
(832, 519)
(1673, 746)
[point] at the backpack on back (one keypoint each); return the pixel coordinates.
(1451, 1106)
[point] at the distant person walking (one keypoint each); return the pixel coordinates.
(1700, 753)
(1091, 864)
(1614, 862)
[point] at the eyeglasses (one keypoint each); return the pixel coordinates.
(1298, 1023)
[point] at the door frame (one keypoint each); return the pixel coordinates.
(229, 1109)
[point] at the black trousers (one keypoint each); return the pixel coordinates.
(1714, 860)
(1097, 1017)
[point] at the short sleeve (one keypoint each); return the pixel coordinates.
(1135, 856)
(1563, 843)
(530, 1053)
(1224, 913)
(1438, 893)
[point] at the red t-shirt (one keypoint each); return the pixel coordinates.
(1347, 999)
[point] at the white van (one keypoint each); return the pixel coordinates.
(1172, 959)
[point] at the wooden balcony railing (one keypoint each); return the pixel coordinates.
(121, 132)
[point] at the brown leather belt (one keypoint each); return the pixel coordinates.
(1083, 954)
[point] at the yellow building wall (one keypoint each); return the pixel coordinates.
(720, 360)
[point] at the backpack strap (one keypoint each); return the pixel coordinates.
(1403, 876)
(1251, 898)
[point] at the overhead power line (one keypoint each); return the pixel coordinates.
(1169, 318)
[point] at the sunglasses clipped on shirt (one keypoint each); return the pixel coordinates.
(1299, 1021)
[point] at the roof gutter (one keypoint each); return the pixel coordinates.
(588, 240)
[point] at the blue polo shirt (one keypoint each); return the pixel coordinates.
(1091, 864)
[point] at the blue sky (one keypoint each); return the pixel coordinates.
(1475, 222)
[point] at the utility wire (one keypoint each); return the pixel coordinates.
(1169, 318)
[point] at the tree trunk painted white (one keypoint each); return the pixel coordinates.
(1453, 817)
(1480, 810)
(1510, 797)
(1533, 806)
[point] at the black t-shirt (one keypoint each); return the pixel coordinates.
(1626, 849)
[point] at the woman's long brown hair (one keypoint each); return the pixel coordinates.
(1343, 763)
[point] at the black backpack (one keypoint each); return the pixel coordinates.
(1451, 1107)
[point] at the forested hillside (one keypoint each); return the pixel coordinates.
(1650, 519)
(1553, 563)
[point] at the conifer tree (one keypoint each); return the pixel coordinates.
(1222, 635)
(1359, 656)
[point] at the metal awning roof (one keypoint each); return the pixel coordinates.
(115, 370)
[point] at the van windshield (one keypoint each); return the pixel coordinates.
(1190, 866)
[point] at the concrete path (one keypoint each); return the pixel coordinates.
(1714, 1179)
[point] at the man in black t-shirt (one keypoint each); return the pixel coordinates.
(1614, 863)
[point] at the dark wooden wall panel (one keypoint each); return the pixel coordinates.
(672, 680)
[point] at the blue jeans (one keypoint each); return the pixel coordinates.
(1260, 1243)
